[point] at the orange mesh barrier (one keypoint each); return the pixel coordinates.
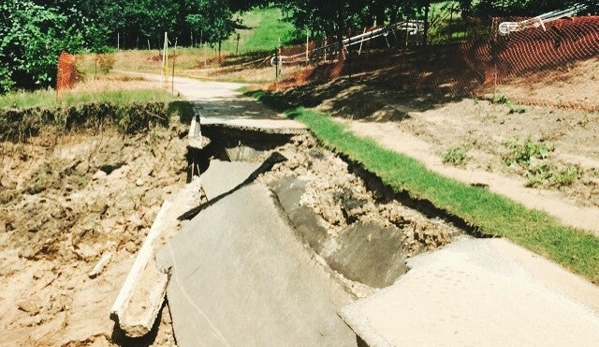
(482, 61)
(67, 74)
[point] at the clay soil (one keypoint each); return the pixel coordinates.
(66, 200)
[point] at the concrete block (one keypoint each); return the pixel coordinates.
(239, 277)
(223, 176)
(479, 293)
(369, 254)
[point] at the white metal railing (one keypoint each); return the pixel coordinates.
(505, 28)
(411, 27)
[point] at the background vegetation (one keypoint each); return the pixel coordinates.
(34, 32)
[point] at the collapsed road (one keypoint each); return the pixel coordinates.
(304, 255)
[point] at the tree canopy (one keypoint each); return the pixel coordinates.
(33, 32)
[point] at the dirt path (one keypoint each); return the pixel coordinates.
(391, 136)
(544, 158)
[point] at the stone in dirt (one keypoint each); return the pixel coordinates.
(240, 278)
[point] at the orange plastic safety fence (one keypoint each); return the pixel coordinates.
(483, 59)
(67, 74)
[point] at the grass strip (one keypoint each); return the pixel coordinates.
(491, 213)
(49, 99)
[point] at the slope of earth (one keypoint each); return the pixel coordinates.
(67, 199)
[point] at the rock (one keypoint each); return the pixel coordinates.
(98, 206)
(31, 305)
(99, 175)
(8, 183)
(135, 221)
(82, 168)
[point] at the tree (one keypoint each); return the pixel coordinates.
(31, 38)
(213, 19)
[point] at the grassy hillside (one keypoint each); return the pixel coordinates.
(265, 28)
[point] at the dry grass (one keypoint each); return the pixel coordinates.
(114, 82)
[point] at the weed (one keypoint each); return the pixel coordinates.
(502, 99)
(546, 174)
(516, 109)
(566, 177)
(522, 154)
(456, 156)
(538, 175)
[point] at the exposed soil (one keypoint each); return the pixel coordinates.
(67, 199)
(340, 196)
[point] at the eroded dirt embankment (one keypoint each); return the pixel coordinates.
(69, 197)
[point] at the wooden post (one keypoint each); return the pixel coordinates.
(307, 46)
(173, 74)
(164, 58)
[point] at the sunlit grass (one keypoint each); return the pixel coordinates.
(266, 30)
(114, 90)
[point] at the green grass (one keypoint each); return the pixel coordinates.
(49, 99)
(266, 28)
(491, 213)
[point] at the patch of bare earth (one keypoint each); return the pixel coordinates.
(341, 197)
(66, 200)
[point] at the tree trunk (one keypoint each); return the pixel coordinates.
(220, 42)
(426, 24)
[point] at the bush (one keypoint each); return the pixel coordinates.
(31, 39)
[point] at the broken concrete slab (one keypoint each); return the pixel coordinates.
(222, 176)
(478, 293)
(364, 252)
(142, 294)
(239, 277)
(131, 310)
(370, 254)
(306, 223)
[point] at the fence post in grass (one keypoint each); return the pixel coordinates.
(164, 59)
(173, 74)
